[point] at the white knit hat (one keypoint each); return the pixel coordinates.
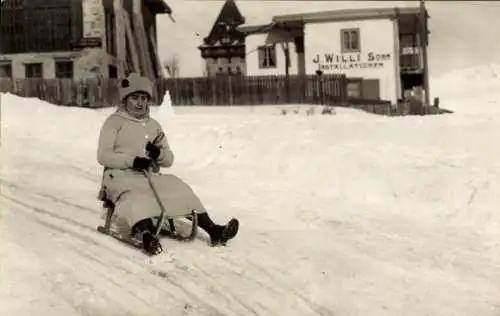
(135, 83)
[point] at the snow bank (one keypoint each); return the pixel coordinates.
(165, 109)
(349, 214)
(469, 90)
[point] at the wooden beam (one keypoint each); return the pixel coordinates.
(423, 45)
(131, 44)
(156, 57)
(142, 41)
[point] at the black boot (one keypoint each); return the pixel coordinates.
(229, 231)
(219, 235)
(144, 230)
(151, 244)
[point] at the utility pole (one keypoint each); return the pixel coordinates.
(423, 45)
(287, 71)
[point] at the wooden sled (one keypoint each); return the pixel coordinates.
(164, 231)
(160, 230)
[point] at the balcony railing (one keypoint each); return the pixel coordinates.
(410, 59)
(223, 52)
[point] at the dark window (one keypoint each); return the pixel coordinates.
(5, 71)
(64, 69)
(299, 44)
(354, 89)
(267, 56)
(408, 40)
(34, 70)
(110, 32)
(113, 72)
(350, 42)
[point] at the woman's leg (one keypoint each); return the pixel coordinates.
(178, 196)
(219, 234)
(144, 230)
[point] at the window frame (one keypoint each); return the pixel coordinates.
(64, 61)
(358, 83)
(270, 54)
(8, 66)
(32, 64)
(348, 32)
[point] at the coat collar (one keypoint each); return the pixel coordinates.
(122, 113)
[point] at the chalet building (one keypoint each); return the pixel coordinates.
(381, 50)
(224, 48)
(79, 39)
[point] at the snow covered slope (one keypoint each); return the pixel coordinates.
(351, 214)
(470, 90)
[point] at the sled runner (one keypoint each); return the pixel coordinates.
(160, 228)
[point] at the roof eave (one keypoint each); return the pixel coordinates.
(158, 6)
(255, 29)
(346, 15)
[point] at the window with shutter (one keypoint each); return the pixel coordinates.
(267, 56)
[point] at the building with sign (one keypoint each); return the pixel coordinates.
(79, 39)
(380, 50)
(223, 50)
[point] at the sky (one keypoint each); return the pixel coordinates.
(462, 32)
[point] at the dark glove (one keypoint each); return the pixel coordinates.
(141, 163)
(153, 151)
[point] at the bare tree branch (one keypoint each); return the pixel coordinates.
(171, 65)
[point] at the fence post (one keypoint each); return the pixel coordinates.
(230, 87)
(344, 101)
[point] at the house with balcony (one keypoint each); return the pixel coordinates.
(223, 50)
(79, 39)
(381, 51)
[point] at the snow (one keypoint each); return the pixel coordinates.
(470, 90)
(348, 214)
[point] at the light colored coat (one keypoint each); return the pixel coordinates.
(121, 139)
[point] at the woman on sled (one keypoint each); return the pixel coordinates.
(130, 142)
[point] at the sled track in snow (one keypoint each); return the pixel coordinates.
(165, 269)
(48, 196)
(40, 210)
(135, 258)
(80, 232)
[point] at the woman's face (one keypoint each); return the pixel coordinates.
(137, 104)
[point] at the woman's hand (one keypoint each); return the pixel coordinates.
(153, 151)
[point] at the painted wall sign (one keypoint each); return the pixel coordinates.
(331, 61)
(93, 18)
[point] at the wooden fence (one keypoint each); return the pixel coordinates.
(256, 90)
(224, 90)
(92, 93)
(265, 90)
